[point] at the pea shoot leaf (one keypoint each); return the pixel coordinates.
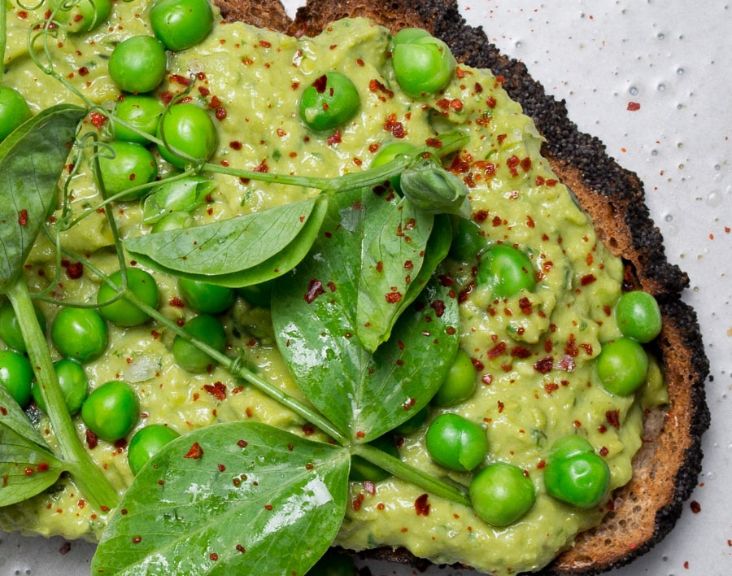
(13, 417)
(240, 498)
(363, 394)
(238, 252)
(31, 160)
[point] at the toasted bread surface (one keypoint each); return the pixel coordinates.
(667, 466)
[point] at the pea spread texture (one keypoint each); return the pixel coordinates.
(264, 295)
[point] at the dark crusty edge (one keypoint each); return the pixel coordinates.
(614, 198)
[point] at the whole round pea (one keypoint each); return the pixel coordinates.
(16, 375)
(189, 130)
(638, 316)
(141, 113)
(571, 445)
(79, 333)
(13, 110)
(131, 166)
(258, 294)
(10, 332)
(422, 63)
(506, 271)
(204, 297)
(362, 470)
(456, 443)
(206, 329)
(501, 494)
(121, 312)
(334, 564)
(329, 102)
(622, 366)
(459, 384)
(388, 153)
(147, 442)
(73, 382)
(138, 64)
(467, 240)
(84, 15)
(173, 221)
(581, 480)
(181, 24)
(414, 423)
(111, 411)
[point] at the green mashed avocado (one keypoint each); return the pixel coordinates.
(252, 78)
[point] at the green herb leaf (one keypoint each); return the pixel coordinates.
(314, 314)
(13, 417)
(183, 195)
(237, 252)
(31, 159)
(26, 469)
(395, 236)
(240, 498)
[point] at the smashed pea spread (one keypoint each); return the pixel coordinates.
(534, 352)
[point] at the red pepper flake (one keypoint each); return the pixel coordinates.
(520, 352)
(98, 120)
(567, 363)
(262, 168)
(587, 348)
(587, 279)
(550, 387)
(91, 439)
(439, 307)
(74, 270)
(22, 14)
(240, 548)
(545, 365)
(633, 106)
(357, 502)
(613, 418)
(3, 410)
(265, 44)
(552, 182)
(501, 138)
(695, 506)
(23, 217)
(571, 346)
(480, 216)
(29, 471)
(308, 429)
(409, 403)
(217, 390)
(221, 113)
(195, 452)
(460, 164)
(176, 302)
(334, 138)
(136, 539)
(512, 163)
(456, 105)
(497, 350)
(393, 297)
(360, 62)
(487, 379)
(320, 84)
(422, 505)
(525, 305)
(491, 102)
(242, 443)
(203, 91)
(604, 451)
(396, 128)
(376, 86)
(315, 289)
(213, 556)
(433, 142)
(686, 565)
(235, 145)
(501, 406)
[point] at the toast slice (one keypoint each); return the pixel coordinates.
(667, 466)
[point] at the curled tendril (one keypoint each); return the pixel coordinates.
(30, 7)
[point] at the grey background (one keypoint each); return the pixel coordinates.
(674, 58)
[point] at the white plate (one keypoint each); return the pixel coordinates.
(674, 58)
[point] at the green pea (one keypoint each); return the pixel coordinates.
(173, 221)
(10, 332)
(414, 423)
(13, 110)
(506, 271)
(575, 474)
(80, 333)
(189, 133)
(622, 366)
(638, 316)
(459, 384)
(258, 295)
(362, 470)
(121, 312)
(111, 411)
(73, 382)
(138, 64)
(206, 329)
(334, 564)
(141, 113)
(181, 24)
(124, 166)
(329, 102)
(467, 241)
(388, 153)
(83, 15)
(16, 375)
(501, 495)
(422, 63)
(146, 443)
(204, 297)
(456, 443)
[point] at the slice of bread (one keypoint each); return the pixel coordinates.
(667, 466)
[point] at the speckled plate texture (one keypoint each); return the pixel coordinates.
(652, 79)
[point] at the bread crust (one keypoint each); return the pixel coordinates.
(668, 465)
